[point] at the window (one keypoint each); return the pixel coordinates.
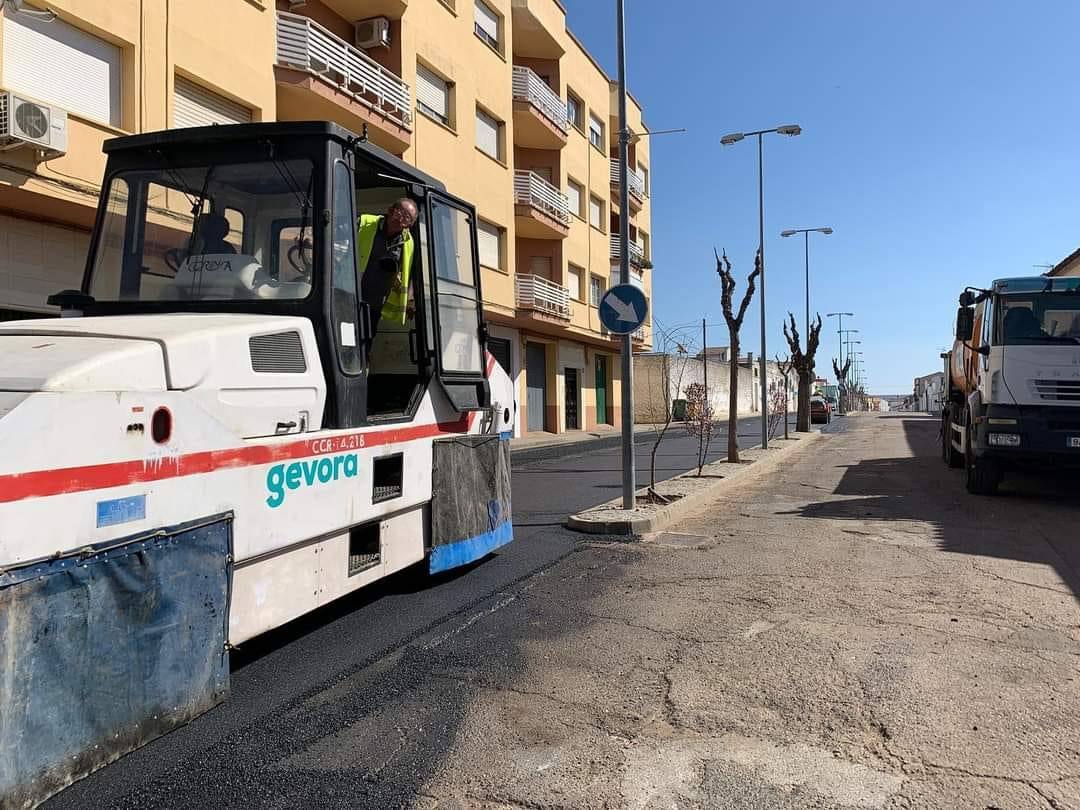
(575, 110)
(490, 241)
(63, 65)
(433, 95)
(248, 215)
(486, 24)
(596, 212)
(195, 106)
(596, 290)
(489, 134)
(574, 275)
(343, 295)
(540, 266)
(575, 193)
(596, 131)
(643, 240)
(455, 290)
(643, 173)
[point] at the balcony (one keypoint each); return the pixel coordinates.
(538, 28)
(539, 112)
(541, 211)
(362, 9)
(537, 294)
(637, 278)
(635, 184)
(637, 255)
(322, 77)
(638, 335)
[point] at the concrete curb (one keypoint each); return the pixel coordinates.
(542, 452)
(660, 517)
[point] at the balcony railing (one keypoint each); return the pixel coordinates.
(637, 278)
(303, 44)
(637, 254)
(532, 189)
(527, 86)
(638, 335)
(634, 181)
(537, 293)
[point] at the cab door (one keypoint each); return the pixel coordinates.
(459, 334)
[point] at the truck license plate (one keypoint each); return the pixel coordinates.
(1074, 441)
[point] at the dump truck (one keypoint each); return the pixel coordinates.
(214, 438)
(1012, 398)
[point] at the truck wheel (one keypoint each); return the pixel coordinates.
(952, 457)
(983, 475)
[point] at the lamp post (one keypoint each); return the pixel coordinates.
(806, 245)
(840, 351)
(734, 137)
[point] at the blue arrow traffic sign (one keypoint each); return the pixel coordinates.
(623, 308)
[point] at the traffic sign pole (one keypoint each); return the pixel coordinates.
(628, 461)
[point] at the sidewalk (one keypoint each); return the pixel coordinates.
(536, 446)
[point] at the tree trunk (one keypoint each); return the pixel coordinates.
(802, 422)
(733, 402)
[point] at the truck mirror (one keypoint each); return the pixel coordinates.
(967, 298)
(965, 323)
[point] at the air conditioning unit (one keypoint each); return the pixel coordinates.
(26, 122)
(374, 32)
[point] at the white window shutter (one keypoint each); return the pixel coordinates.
(596, 130)
(573, 281)
(487, 134)
(487, 20)
(573, 196)
(58, 63)
(195, 106)
(595, 212)
(432, 91)
(488, 239)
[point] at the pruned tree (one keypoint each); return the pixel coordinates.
(734, 324)
(841, 381)
(803, 363)
(784, 367)
(700, 421)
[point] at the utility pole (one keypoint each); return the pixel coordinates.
(628, 484)
(705, 362)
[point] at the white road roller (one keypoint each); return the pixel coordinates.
(213, 440)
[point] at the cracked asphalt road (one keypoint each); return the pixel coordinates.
(852, 631)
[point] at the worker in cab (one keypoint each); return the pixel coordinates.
(385, 247)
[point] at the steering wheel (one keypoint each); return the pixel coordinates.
(174, 257)
(301, 258)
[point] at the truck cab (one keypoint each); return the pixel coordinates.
(1013, 376)
(261, 220)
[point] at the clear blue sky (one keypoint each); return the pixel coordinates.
(941, 142)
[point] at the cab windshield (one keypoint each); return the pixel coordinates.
(1047, 318)
(214, 232)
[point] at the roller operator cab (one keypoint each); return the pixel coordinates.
(1013, 377)
(220, 434)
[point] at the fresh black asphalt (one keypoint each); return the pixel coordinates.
(335, 671)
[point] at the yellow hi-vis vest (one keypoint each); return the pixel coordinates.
(397, 300)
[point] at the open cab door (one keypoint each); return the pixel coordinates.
(459, 332)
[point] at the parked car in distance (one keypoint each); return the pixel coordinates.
(834, 405)
(819, 410)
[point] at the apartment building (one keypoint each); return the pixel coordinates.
(495, 97)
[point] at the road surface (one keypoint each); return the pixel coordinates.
(223, 755)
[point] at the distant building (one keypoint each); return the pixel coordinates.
(929, 391)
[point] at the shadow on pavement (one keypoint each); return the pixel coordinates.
(1033, 519)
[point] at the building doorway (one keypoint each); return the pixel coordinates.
(602, 390)
(535, 385)
(570, 378)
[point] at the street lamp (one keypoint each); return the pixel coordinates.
(806, 244)
(840, 352)
(734, 137)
